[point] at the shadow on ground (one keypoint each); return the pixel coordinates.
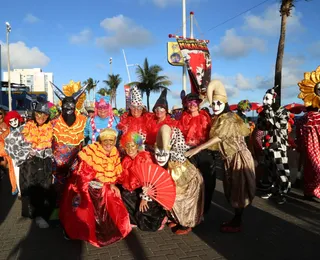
(6, 199)
(264, 235)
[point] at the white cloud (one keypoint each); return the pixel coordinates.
(233, 46)
(269, 22)
(123, 32)
(82, 37)
(29, 18)
(21, 56)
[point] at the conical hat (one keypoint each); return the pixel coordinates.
(136, 97)
(216, 91)
(163, 138)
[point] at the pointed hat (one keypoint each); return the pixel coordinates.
(216, 91)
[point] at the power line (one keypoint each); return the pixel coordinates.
(238, 15)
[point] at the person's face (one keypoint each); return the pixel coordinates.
(68, 106)
(267, 99)
(160, 112)
(200, 74)
(317, 89)
(41, 118)
(192, 106)
(136, 111)
(103, 111)
(108, 143)
(14, 122)
(218, 107)
(91, 114)
(131, 149)
(162, 156)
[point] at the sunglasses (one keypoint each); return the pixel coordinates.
(1, 114)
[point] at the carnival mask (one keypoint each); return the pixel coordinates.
(268, 99)
(317, 89)
(162, 156)
(200, 74)
(68, 106)
(14, 122)
(217, 107)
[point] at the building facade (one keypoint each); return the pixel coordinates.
(35, 79)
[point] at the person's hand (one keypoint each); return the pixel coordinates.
(143, 206)
(192, 152)
(115, 190)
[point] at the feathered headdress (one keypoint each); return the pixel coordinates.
(310, 88)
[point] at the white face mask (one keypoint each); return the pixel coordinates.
(161, 156)
(268, 99)
(218, 107)
(200, 74)
(14, 122)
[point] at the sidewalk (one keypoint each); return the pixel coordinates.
(271, 231)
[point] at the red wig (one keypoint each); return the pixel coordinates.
(12, 114)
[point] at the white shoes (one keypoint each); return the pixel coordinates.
(41, 222)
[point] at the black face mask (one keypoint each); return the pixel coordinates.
(68, 110)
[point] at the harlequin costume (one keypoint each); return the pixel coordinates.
(96, 124)
(196, 130)
(227, 135)
(15, 147)
(310, 94)
(68, 132)
(90, 210)
(188, 206)
(275, 143)
(37, 192)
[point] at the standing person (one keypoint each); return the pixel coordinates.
(188, 206)
(104, 118)
(37, 192)
(227, 133)
(310, 94)
(195, 125)
(92, 209)
(159, 118)
(14, 149)
(144, 212)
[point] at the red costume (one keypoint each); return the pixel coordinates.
(90, 210)
(134, 124)
(195, 129)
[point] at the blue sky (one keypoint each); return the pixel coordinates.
(75, 39)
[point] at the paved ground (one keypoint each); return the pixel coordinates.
(290, 231)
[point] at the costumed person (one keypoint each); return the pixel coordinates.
(227, 133)
(195, 125)
(14, 148)
(135, 119)
(144, 212)
(92, 209)
(54, 112)
(275, 144)
(90, 109)
(310, 94)
(188, 206)
(37, 192)
(5, 160)
(68, 132)
(104, 118)
(243, 107)
(159, 118)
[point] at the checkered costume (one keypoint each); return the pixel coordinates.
(275, 127)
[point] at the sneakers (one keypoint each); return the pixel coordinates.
(41, 222)
(266, 196)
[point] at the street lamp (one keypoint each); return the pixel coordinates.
(8, 61)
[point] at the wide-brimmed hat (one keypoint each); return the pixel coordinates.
(42, 107)
(192, 97)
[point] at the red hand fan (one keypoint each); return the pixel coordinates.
(157, 182)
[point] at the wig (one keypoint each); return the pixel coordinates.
(131, 137)
(12, 114)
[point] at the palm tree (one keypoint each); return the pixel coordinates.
(113, 82)
(285, 11)
(91, 85)
(149, 79)
(104, 92)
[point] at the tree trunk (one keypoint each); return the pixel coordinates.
(285, 11)
(115, 100)
(148, 105)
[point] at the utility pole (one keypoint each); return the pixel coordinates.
(110, 62)
(184, 29)
(8, 61)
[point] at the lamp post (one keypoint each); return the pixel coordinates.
(8, 61)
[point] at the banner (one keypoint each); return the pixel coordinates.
(198, 61)
(174, 54)
(127, 95)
